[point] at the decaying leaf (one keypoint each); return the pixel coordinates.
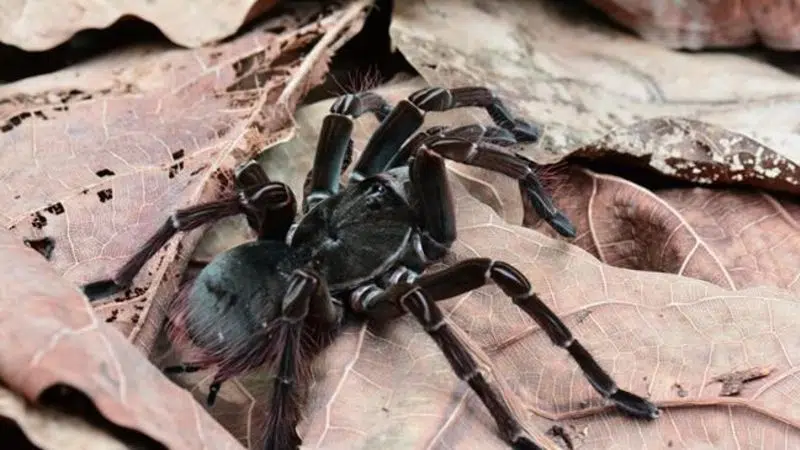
(36, 26)
(96, 157)
(697, 152)
(697, 24)
(733, 382)
(53, 338)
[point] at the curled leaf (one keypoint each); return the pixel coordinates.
(36, 26)
(58, 341)
(697, 152)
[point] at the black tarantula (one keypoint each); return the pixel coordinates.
(360, 250)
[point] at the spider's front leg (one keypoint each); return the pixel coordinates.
(335, 146)
(409, 115)
(269, 207)
(493, 156)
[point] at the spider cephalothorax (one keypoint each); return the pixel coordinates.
(359, 250)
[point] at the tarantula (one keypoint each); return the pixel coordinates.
(360, 250)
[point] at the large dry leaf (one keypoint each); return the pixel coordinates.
(34, 25)
(95, 159)
(665, 336)
(52, 338)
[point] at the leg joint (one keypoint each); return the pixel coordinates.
(432, 99)
(510, 280)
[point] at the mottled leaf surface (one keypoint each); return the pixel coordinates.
(98, 157)
(95, 159)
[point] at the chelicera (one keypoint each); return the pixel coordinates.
(360, 250)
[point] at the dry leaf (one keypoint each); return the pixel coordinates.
(51, 429)
(52, 338)
(35, 26)
(97, 157)
(696, 24)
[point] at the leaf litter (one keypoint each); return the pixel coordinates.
(390, 387)
(626, 110)
(96, 157)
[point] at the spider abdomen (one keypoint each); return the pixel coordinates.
(233, 300)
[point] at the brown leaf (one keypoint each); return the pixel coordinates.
(697, 152)
(37, 26)
(52, 338)
(697, 24)
(97, 157)
(49, 428)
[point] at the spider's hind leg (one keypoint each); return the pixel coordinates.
(407, 296)
(473, 273)
(306, 303)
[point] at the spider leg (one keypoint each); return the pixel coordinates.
(418, 295)
(412, 298)
(184, 368)
(436, 211)
(213, 389)
(335, 144)
(305, 303)
(473, 273)
(491, 156)
(269, 207)
(475, 132)
(409, 115)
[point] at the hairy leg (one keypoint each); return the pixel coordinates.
(269, 207)
(335, 143)
(409, 115)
